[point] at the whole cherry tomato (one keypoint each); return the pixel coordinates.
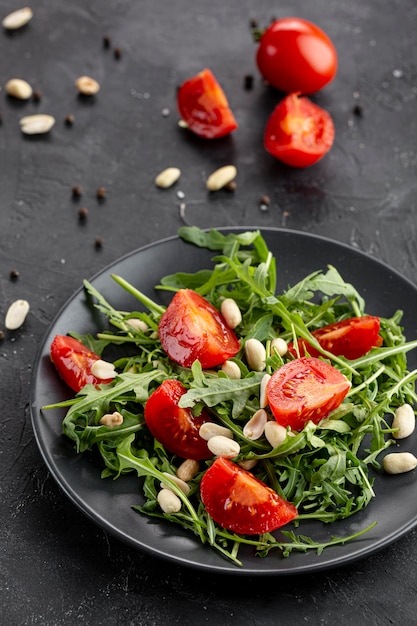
(305, 389)
(296, 55)
(176, 428)
(351, 338)
(192, 328)
(203, 105)
(298, 132)
(240, 502)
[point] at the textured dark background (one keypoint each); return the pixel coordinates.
(56, 567)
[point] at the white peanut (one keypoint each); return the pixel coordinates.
(399, 462)
(248, 464)
(275, 433)
(188, 470)
(255, 354)
(280, 345)
(16, 314)
(404, 420)
(263, 395)
(178, 481)
(231, 369)
(167, 177)
(36, 124)
(169, 501)
(103, 369)
(231, 312)
(17, 18)
(18, 88)
(210, 429)
(136, 324)
(254, 428)
(112, 419)
(87, 86)
(221, 177)
(223, 446)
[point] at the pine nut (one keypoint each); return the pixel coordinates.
(17, 19)
(221, 177)
(399, 462)
(169, 501)
(167, 177)
(103, 370)
(263, 396)
(178, 481)
(112, 419)
(87, 85)
(232, 370)
(231, 312)
(188, 470)
(280, 345)
(16, 314)
(275, 433)
(256, 425)
(210, 429)
(18, 88)
(223, 446)
(255, 354)
(36, 124)
(404, 420)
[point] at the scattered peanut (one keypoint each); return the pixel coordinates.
(188, 470)
(167, 177)
(280, 345)
(223, 446)
(169, 501)
(255, 354)
(256, 425)
(16, 314)
(275, 433)
(18, 88)
(231, 369)
(221, 177)
(210, 429)
(103, 369)
(112, 419)
(231, 312)
(87, 86)
(178, 481)
(404, 420)
(36, 124)
(263, 396)
(399, 462)
(17, 19)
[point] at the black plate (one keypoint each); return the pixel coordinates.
(109, 502)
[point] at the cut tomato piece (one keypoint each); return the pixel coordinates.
(240, 502)
(73, 361)
(298, 132)
(176, 428)
(305, 389)
(203, 105)
(192, 328)
(351, 338)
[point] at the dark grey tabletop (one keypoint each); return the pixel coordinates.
(57, 566)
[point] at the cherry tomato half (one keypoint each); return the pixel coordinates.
(296, 55)
(305, 389)
(191, 328)
(73, 361)
(176, 428)
(240, 502)
(204, 107)
(298, 132)
(351, 338)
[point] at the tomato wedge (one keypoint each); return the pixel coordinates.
(240, 502)
(305, 389)
(176, 428)
(298, 132)
(192, 328)
(203, 105)
(351, 338)
(73, 361)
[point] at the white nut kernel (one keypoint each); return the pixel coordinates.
(112, 419)
(18, 88)
(169, 501)
(404, 420)
(210, 429)
(16, 314)
(231, 369)
(87, 86)
(399, 462)
(223, 446)
(249, 464)
(103, 369)
(178, 481)
(167, 177)
(136, 324)
(275, 433)
(221, 177)
(255, 354)
(17, 19)
(231, 312)
(36, 124)
(280, 345)
(256, 425)
(188, 470)
(263, 395)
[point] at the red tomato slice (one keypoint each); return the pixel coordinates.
(351, 338)
(305, 389)
(176, 428)
(298, 132)
(73, 360)
(296, 55)
(191, 328)
(239, 502)
(204, 107)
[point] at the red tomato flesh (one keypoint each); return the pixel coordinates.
(296, 55)
(192, 328)
(239, 502)
(203, 105)
(351, 338)
(298, 132)
(73, 361)
(305, 389)
(176, 428)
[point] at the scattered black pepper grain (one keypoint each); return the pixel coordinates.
(248, 82)
(37, 96)
(357, 110)
(77, 191)
(2, 335)
(106, 42)
(69, 120)
(83, 214)
(117, 53)
(101, 193)
(232, 186)
(98, 243)
(14, 274)
(253, 23)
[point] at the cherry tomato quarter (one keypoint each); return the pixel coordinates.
(351, 338)
(239, 502)
(298, 132)
(192, 328)
(305, 389)
(175, 427)
(296, 55)
(203, 105)
(73, 361)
